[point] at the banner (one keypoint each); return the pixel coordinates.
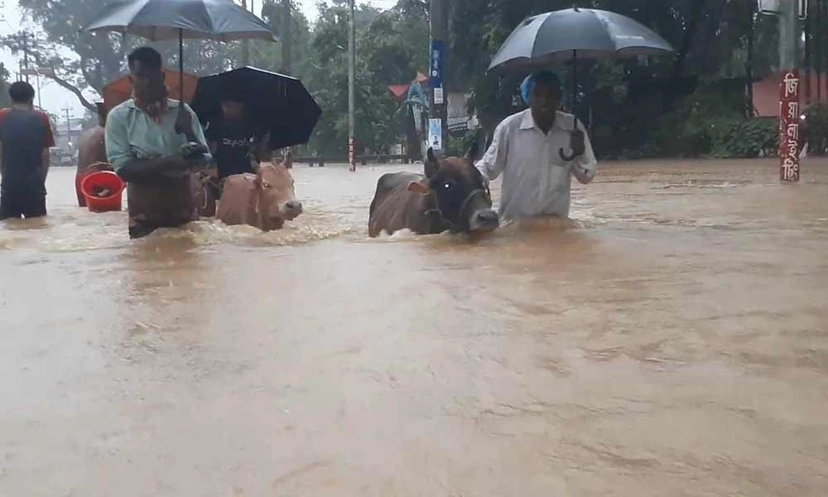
(435, 134)
(789, 126)
(436, 71)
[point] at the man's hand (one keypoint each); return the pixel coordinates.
(576, 142)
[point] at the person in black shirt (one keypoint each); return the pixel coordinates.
(237, 146)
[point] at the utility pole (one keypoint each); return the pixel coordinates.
(26, 53)
(439, 13)
(287, 55)
(351, 82)
(68, 127)
(789, 90)
(245, 43)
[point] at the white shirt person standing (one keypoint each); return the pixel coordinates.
(526, 150)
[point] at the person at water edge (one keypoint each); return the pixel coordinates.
(537, 151)
(237, 146)
(25, 138)
(155, 144)
(91, 153)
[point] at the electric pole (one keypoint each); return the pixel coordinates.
(287, 56)
(245, 43)
(351, 82)
(789, 91)
(439, 13)
(68, 127)
(789, 35)
(26, 53)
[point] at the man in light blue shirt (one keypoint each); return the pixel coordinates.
(147, 141)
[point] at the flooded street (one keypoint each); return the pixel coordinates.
(673, 341)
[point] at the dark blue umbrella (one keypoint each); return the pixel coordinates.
(567, 35)
(278, 104)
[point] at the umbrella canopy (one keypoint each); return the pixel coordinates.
(220, 20)
(568, 34)
(120, 90)
(276, 103)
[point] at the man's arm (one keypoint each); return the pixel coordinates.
(584, 165)
(48, 142)
(129, 168)
(45, 162)
(494, 160)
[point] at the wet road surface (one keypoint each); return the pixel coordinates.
(671, 341)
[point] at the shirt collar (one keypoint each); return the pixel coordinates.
(171, 104)
(528, 122)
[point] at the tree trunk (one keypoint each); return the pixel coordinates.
(287, 42)
(749, 60)
(684, 50)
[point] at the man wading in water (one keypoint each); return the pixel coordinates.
(155, 143)
(25, 138)
(526, 148)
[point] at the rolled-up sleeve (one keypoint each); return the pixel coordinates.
(494, 160)
(118, 152)
(585, 165)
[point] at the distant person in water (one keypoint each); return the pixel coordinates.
(25, 139)
(538, 151)
(237, 146)
(91, 153)
(155, 144)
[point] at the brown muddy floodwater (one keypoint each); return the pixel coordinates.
(672, 341)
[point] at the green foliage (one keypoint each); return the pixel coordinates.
(749, 138)
(816, 129)
(5, 100)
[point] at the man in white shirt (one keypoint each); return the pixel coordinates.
(536, 151)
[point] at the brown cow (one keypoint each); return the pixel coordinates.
(452, 195)
(91, 153)
(264, 200)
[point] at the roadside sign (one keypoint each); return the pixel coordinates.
(435, 134)
(789, 126)
(435, 73)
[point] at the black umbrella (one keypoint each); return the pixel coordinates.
(276, 103)
(570, 34)
(157, 20)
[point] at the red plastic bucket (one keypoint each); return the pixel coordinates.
(94, 184)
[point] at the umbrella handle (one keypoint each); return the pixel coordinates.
(564, 156)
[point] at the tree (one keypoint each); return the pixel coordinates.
(5, 100)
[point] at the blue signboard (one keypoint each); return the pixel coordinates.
(435, 73)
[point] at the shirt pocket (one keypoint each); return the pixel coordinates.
(558, 176)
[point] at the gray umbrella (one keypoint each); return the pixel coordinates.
(156, 20)
(567, 35)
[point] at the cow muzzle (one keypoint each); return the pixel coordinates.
(291, 209)
(484, 220)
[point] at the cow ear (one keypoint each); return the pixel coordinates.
(431, 164)
(256, 167)
(420, 187)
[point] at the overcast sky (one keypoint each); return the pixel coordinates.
(54, 98)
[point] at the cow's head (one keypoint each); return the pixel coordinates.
(277, 197)
(463, 198)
